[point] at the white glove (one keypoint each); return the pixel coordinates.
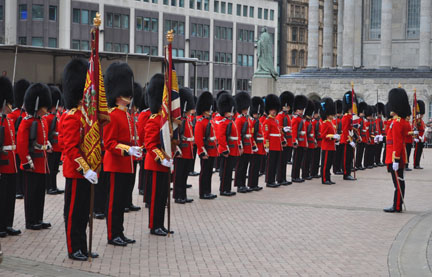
(267, 150)
(416, 132)
(416, 140)
(91, 176)
(352, 143)
(255, 149)
(302, 133)
(135, 151)
(376, 139)
(286, 129)
(336, 136)
(381, 138)
(395, 166)
(167, 163)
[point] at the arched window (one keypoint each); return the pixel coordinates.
(294, 57)
(301, 58)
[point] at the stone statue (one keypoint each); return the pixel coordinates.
(265, 56)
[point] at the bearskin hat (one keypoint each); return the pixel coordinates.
(33, 92)
(421, 105)
(214, 107)
(187, 102)
(374, 110)
(144, 98)
(155, 92)
(118, 82)
(225, 103)
(310, 107)
(380, 108)
(317, 107)
(6, 90)
(220, 93)
(73, 82)
(287, 99)
(300, 102)
(327, 108)
(399, 101)
(19, 90)
(368, 111)
(56, 96)
(272, 102)
(257, 106)
(138, 96)
(347, 101)
(204, 102)
(388, 110)
(361, 107)
(338, 106)
(243, 101)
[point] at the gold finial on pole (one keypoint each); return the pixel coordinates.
(97, 20)
(352, 84)
(400, 85)
(170, 36)
(415, 90)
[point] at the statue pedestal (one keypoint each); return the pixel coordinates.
(263, 85)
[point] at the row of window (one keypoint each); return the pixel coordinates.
(116, 20)
(83, 16)
(202, 83)
(298, 11)
(1, 13)
(152, 50)
(200, 30)
(116, 47)
(223, 57)
(222, 84)
(37, 12)
(243, 85)
(80, 44)
(262, 13)
(225, 33)
(147, 24)
(200, 55)
(245, 60)
(298, 58)
(298, 34)
(38, 41)
(224, 8)
(177, 26)
(245, 35)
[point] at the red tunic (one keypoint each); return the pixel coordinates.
(55, 136)
(203, 148)
(7, 155)
(14, 115)
(40, 154)
(272, 134)
(142, 120)
(186, 140)
(152, 141)
(347, 127)
(327, 128)
(409, 139)
(228, 142)
(285, 121)
(317, 128)
(363, 130)
(400, 129)
(246, 137)
(258, 133)
(389, 142)
(298, 122)
(310, 134)
(118, 137)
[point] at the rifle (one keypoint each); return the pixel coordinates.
(53, 126)
(33, 129)
(19, 119)
(133, 122)
(2, 134)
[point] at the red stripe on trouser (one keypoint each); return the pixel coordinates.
(69, 222)
(345, 153)
(200, 177)
(152, 203)
(110, 206)
(222, 188)
(325, 167)
(267, 166)
(398, 200)
(415, 154)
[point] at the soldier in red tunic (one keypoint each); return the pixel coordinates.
(143, 116)
(311, 141)
(75, 168)
(229, 143)
(337, 122)
(316, 122)
(205, 139)
(420, 137)
(328, 136)
(370, 128)
(284, 120)
(33, 144)
(396, 158)
(273, 139)
(17, 115)
(347, 137)
(8, 168)
(256, 110)
(380, 133)
(299, 137)
(118, 137)
(361, 145)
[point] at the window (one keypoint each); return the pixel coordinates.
(22, 40)
(238, 9)
(199, 4)
(265, 14)
(146, 24)
(413, 25)
(375, 20)
(229, 58)
(138, 49)
(192, 4)
(154, 25)
(239, 59)
(125, 21)
(181, 3)
(294, 57)
(180, 53)
(1, 12)
(76, 45)
(216, 57)
(216, 6)
(245, 10)
(260, 13)
(146, 50)
(301, 35)
(110, 19)
(52, 42)
(251, 11)
(430, 109)
(23, 12)
(302, 58)
(116, 23)
(116, 47)
(108, 46)
(250, 61)
(76, 16)
(230, 8)
(37, 12)
(84, 17)
(294, 33)
(245, 60)
(223, 7)
(251, 36)
(206, 5)
(165, 2)
(139, 23)
(174, 3)
(37, 41)
(206, 31)
(84, 45)
(53, 13)
(229, 33)
(272, 15)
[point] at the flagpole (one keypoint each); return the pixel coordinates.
(354, 148)
(170, 39)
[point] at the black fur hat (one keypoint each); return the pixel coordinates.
(186, 97)
(374, 110)
(361, 107)
(204, 103)
(347, 101)
(380, 108)
(214, 107)
(317, 107)
(300, 102)
(138, 96)
(257, 106)
(19, 90)
(387, 109)
(144, 98)
(272, 102)
(73, 82)
(421, 105)
(243, 101)
(368, 111)
(287, 99)
(118, 82)
(33, 92)
(399, 102)
(310, 107)
(6, 90)
(56, 96)
(338, 106)
(220, 93)
(327, 108)
(155, 92)
(225, 103)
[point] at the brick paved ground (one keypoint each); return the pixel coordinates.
(304, 229)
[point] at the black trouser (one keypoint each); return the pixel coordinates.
(369, 155)
(399, 184)
(359, 154)
(227, 164)
(20, 177)
(205, 177)
(408, 147)
(378, 150)
(7, 200)
(76, 213)
(101, 188)
(347, 162)
(306, 163)
(272, 160)
(142, 173)
(289, 154)
(418, 150)
(192, 164)
(253, 174)
(158, 198)
(117, 196)
(34, 197)
(338, 158)
(282, 165)
(217, 163)
(326, 163)
(297, 162)
(53, 164)
(181, 172)
(128, 200)
(241, 170)
(262, 168)
(315, 161)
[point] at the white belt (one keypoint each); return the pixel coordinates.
(233, 138)
(261, 139)
(275, 135)
(55, 133)
(188, 139)
(41, 147)
(212, 138)
(9, 148)
(248, 136)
